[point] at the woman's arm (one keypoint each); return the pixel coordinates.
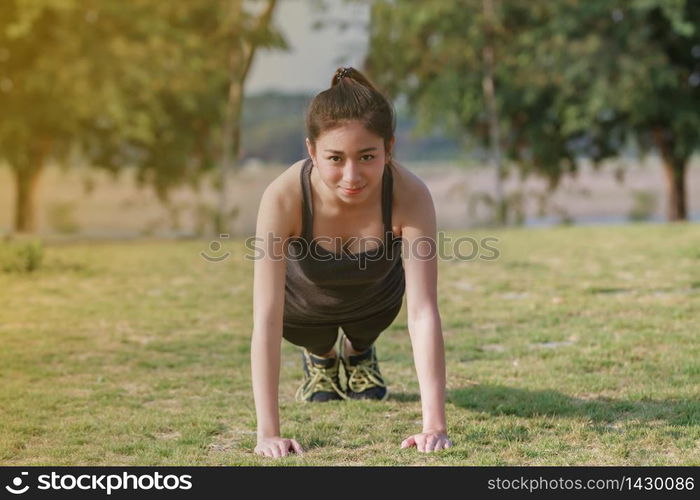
(272, 230)
(424, 326)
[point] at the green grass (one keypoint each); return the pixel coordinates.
(578, 346)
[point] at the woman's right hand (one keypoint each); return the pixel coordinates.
(277, 447)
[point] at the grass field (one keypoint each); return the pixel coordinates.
(578, 346)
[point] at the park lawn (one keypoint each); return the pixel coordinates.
(577, 346)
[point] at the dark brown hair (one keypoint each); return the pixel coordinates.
(351, 96)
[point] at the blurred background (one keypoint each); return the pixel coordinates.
(134, 134)
(168, 119)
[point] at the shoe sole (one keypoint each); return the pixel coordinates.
(383, 398)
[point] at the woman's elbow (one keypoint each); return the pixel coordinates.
(423, 315)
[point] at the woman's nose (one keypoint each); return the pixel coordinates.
(351, 173)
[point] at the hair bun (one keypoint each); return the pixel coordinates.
(343, 72)
(356, 99)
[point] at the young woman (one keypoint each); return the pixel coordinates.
(345, 233)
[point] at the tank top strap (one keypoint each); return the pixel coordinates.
(307, 216)
(387, 201)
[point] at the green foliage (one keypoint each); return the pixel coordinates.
(206, 218)
(511, 210)
(118, 84)
(572, 78)
(644, 205)
(61, 217)
(21, 256)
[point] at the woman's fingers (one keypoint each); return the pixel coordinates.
(277, 447)
(284, 448)
(263, 451)
(408, 442)
(427, 442)
(443, 443)
(430, 442)
(296, 447)
(420, 442)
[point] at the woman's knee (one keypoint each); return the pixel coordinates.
(363, 335)
(316, 341)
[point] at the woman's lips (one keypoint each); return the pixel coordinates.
(352, 191)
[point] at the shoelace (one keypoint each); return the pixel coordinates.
(319, 380)
(364, 376)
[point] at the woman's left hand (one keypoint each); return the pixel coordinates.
(427, 441)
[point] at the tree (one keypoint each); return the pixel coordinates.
(456, 64)
(249, 33)
(139, 84)
(645, 56)
(89, 80)
(38, 93)
(573, 78)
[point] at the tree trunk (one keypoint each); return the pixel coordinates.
(230, 143)
(489, 89)
(675, 170)
(26, 184)
(240, 60)
(675, 167)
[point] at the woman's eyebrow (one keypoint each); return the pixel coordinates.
(360, 151)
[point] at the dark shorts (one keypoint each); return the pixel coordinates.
(361, 334)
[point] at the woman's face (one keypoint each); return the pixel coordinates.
(350, 161)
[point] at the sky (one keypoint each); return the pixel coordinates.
(313, 55)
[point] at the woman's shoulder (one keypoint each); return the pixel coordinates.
(412, 199)
(287, 184)
(285, 193)
(409, 191)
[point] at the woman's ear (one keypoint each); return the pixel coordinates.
(310, 148)
(390, 148)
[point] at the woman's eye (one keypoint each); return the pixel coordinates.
(368, 157)
(332, 158)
